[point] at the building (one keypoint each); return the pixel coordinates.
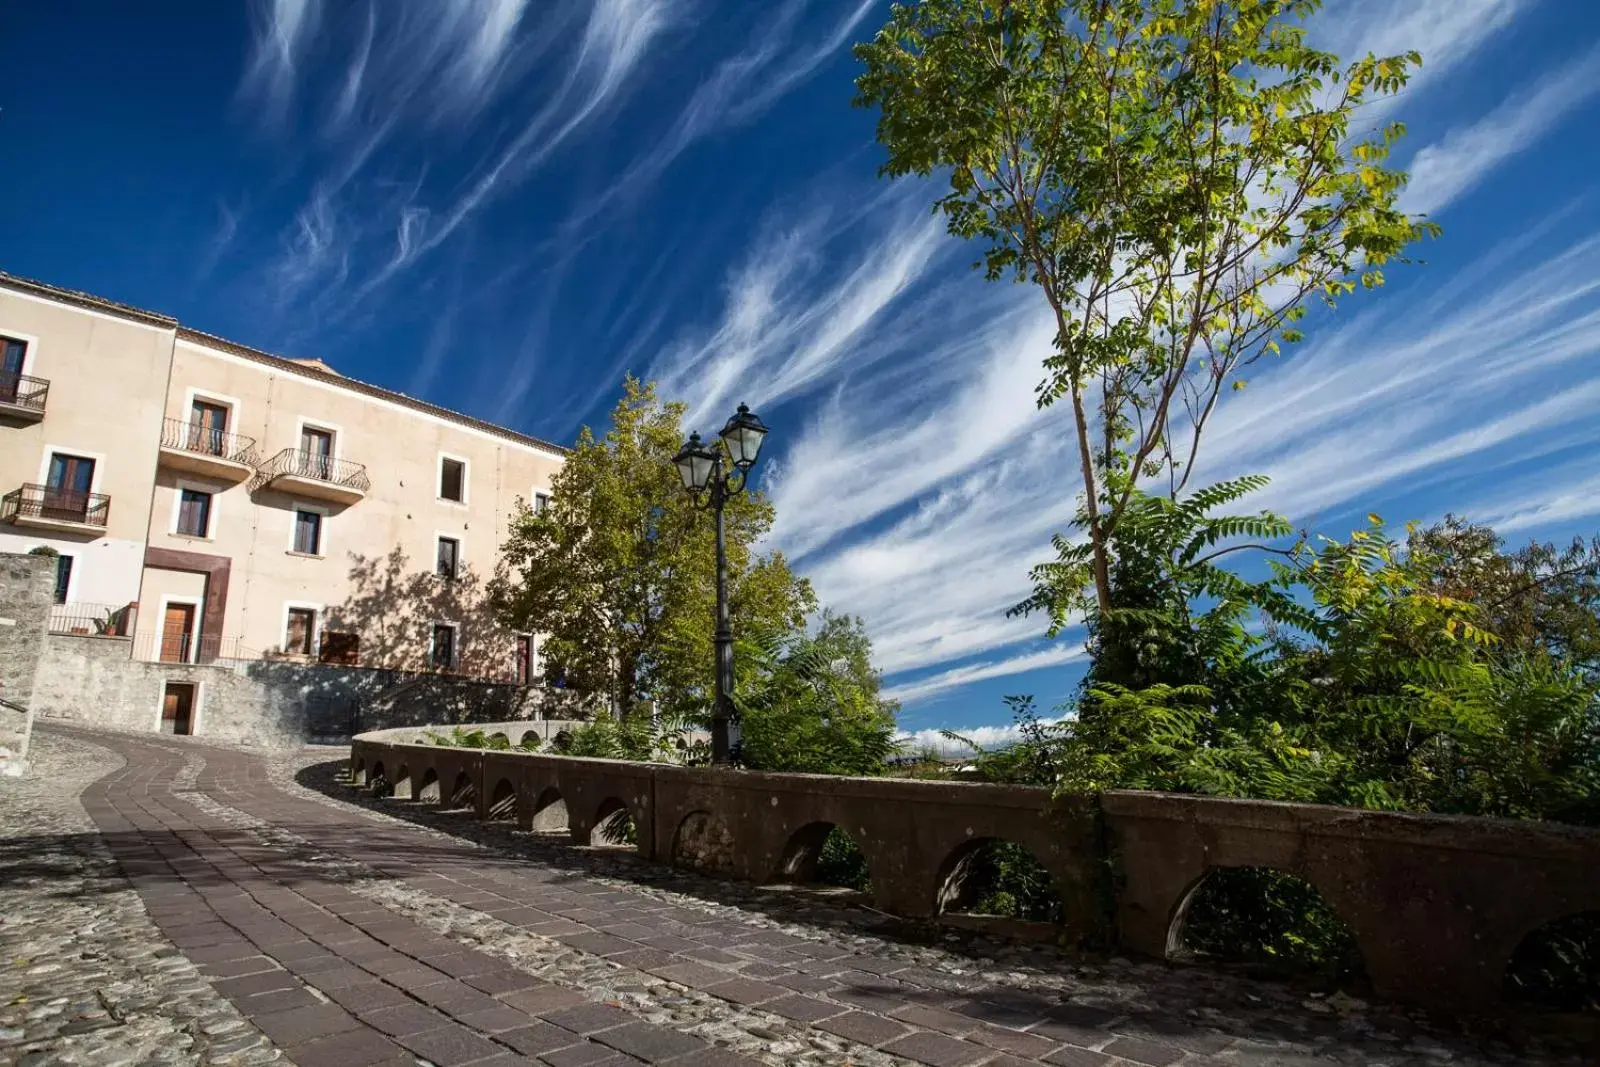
(212, 502)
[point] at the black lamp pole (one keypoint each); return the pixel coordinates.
(702, 468)
(722, 710)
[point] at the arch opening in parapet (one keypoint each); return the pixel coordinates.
(1269, 920)
(428, 790)
(1557, 966)
(463, 794)
(991, 876)
(549, 812)
(822, 853)
(614, 826)
(503, 801)
(703, 843)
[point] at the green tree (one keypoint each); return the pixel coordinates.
(812, 703)
(1179, 177)
(1539, 600)
(618, 571)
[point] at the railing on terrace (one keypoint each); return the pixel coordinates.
(208, 440)
(22, 391)
(93, 620)
(47, 503)
(300, 463)
(188, 648)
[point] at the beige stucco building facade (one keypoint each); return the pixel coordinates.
(213, 501)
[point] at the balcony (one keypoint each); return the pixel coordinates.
(189, 446)
(22, 398)
(309, 474)
(93, 620)
(43, 507)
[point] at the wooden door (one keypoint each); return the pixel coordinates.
(316, 453)
(11, 354)
(207, 425)
(177, 633)
(66, 493)
(177, 708)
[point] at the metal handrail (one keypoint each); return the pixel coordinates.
(48, 502)
(208, 441)
(22, 391)
(301, 463)
(99, 620)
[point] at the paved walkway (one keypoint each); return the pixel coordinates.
(352, 940)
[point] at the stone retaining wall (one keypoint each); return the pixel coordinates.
(26, 584)
(93, 681)
(1437, 904)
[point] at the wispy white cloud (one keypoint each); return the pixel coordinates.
(614, 41)
(1445, 170)
(987, 738)
(355, 72)
(1565, 495)
(280, 30)
(739, 89)
(922, 688)
(1446, 32)
(792, 315)
(1494, 364)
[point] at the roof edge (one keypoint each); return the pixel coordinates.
(90, 302)
(356, 385)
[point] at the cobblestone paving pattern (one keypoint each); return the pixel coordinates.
(85, 976)
(354, 932)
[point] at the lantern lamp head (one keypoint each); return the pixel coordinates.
(743, 435)
(695, 463)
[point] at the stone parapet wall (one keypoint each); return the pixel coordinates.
(1437, 904)
(93, 681)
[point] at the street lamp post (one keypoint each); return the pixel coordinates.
(701, 468)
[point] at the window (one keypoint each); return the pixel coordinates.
(301, 631)
(341, 646)
(449, 557)
(194, 513)
(541, 503)
(524, 659)
(63, 578)
(452, 479)
(308, 533)
(444, 646)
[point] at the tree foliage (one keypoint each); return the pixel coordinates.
(618, 571)
(1179, 177)
(811, 702)
(1434, 673)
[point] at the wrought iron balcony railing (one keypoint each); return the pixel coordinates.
(208, 441)
(19, 390)
(299, 463)
(44, 503)
(98, 620)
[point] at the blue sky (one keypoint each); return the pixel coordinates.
(504, 205)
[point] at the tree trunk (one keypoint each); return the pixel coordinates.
(1097, 541)
(627, 691)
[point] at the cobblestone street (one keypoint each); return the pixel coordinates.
(164, 902)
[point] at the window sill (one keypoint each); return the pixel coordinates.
(449, 503)
(191, 537)
(305, 555)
